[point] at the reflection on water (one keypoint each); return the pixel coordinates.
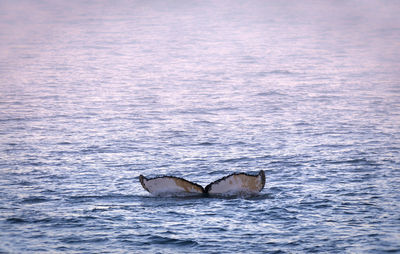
(95, 93)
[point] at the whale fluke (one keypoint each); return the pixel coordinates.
(238, 183)
(234, 184)
(170, 185)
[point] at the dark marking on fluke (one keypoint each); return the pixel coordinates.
(233, 184)
(169, 184)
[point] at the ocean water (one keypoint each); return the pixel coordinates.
(95, 93)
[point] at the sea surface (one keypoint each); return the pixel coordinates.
(95, 93)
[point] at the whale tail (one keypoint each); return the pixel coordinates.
(234, 184)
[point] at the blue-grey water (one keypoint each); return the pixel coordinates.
(95, 93)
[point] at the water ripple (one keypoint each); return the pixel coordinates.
(95, 93)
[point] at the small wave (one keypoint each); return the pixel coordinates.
(84, 198)
(270, 93)
(155, 239)
(16, 220)
(18, 119)
(302, 123)
(196, 111)
(206, 144)
(64, 143)
(235, 160)
(205, 122)
(53, 220)
(309, 202)
(70, 222)
(275, 72)
(361, 161)
(34, 200)
(82, 239)
(261, 196)
(25, 183)
(245, 159)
